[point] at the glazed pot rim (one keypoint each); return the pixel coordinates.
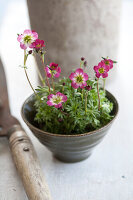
(72, 135)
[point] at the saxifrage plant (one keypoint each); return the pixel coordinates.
(74, 105)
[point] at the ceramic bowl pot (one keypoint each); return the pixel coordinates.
(67, 148)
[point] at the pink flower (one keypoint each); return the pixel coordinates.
(56, 73)
(38, 44)
(101, 70)
(78, 79)
(108, 62)
(48, 72)
(53, 66)
(56, 100)
(27, 38)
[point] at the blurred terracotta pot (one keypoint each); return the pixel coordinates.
(76, 28)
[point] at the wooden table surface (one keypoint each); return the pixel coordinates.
(108, 173)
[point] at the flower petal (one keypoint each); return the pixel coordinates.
(64, 98)
(83, 85)
(59, 93)
(98, 74)
(27, 32)
(35, 35)
(19, 38)
(71, 76)
(86, 76)
(96, 68)
(79, 70)
(48, 72)
(57, 75)
(58, 105)
(105, 74)
(106, 67)
(111, 66)
(50, 103)
(58, 69)
(32, 45)
(74, 85)
(23, 46)
(50, 96)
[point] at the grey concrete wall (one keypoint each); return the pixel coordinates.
(75, 28)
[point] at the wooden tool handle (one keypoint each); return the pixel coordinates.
(27, 165)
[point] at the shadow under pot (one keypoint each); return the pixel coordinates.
(67, 148)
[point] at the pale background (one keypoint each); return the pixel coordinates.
(108, 173)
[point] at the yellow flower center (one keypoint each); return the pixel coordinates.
(27, 39)
(52, 67)
(101, 70)
(38, 45)
(79, 79)
(57, 99)
(106, 62)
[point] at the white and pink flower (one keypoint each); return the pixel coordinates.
(78, 78)
(27, 38)
(55, 73)
(56, 100)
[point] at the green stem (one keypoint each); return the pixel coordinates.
(25, 59)
(42, 59)
(63, 88)
(39, 74)
(53, 83)
(82, 95)
(81, 64)
(86, 102)
(104, 80)
(98, 95)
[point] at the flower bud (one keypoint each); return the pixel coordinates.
(85, 63)
(30, 52)
(82, 58)
(88, 87)
(63, 84)
(60, 120)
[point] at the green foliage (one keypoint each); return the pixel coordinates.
(73, 118)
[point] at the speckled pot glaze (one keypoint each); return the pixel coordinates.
(67, 148)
